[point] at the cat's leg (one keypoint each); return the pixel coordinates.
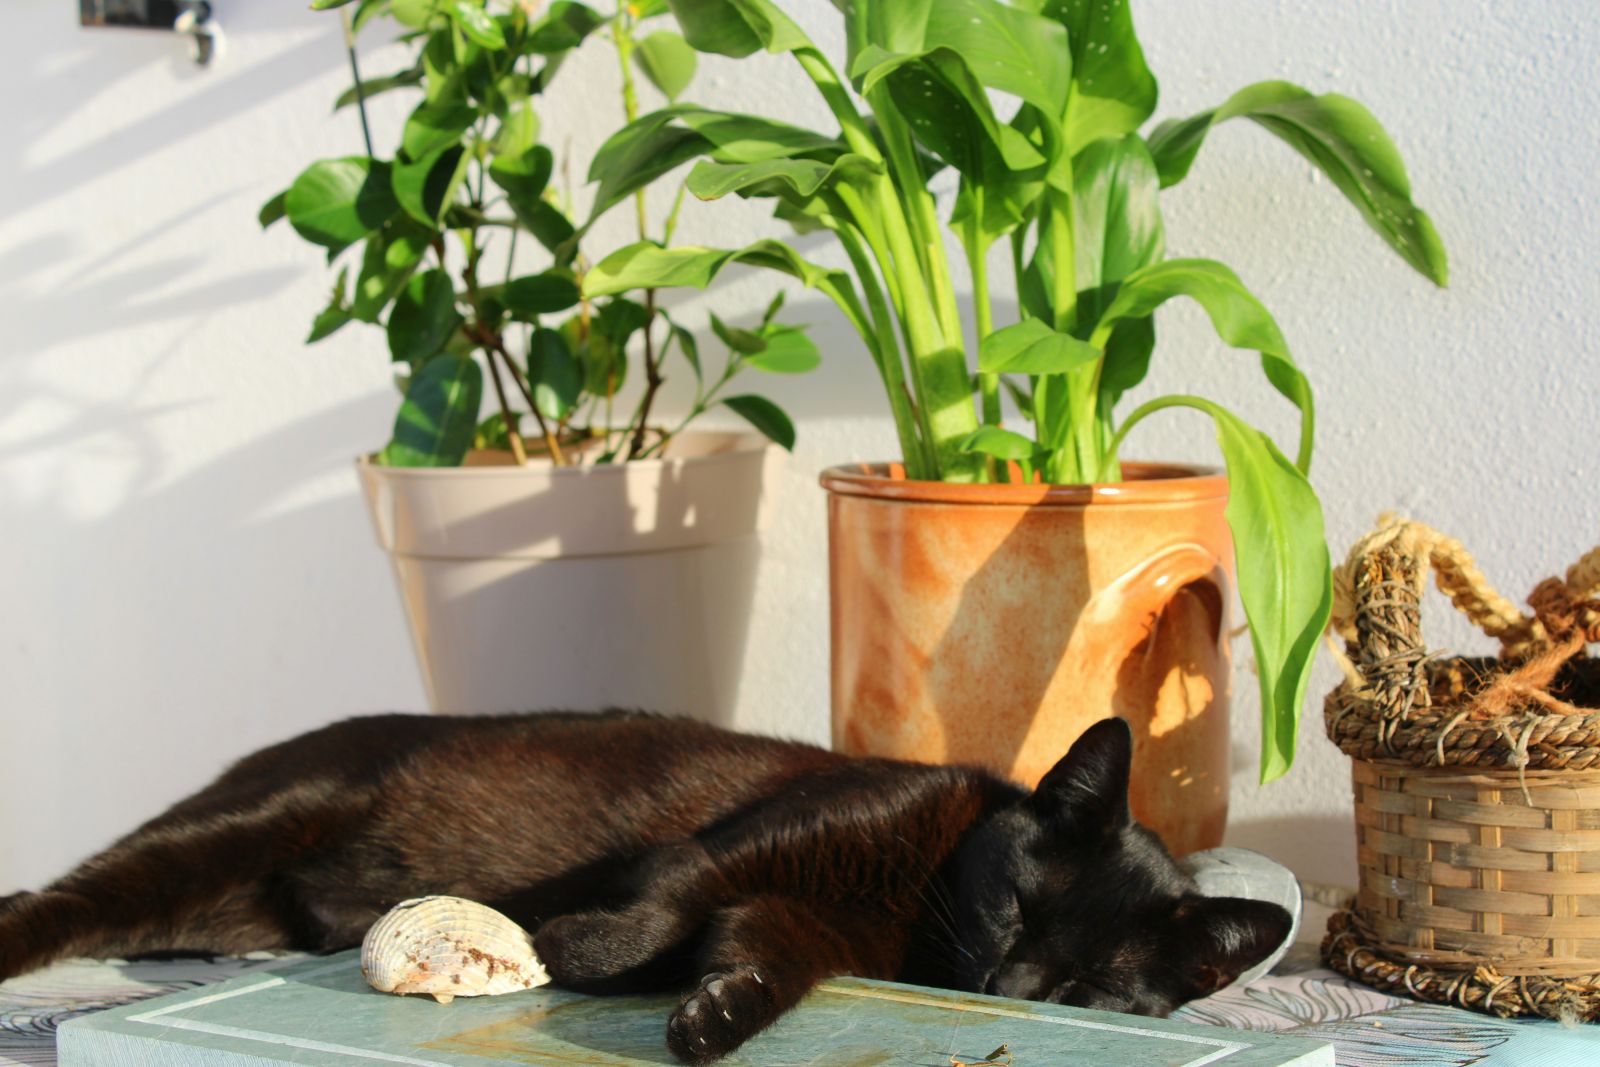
(186, 884)
(636, 947)
(760, 957)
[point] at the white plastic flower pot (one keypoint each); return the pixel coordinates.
(583, 587)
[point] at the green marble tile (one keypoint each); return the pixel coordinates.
(322, 1012)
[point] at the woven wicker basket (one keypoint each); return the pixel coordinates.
(1477, 785)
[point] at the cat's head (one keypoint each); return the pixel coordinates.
(1062, 897)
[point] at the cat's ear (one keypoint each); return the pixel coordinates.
(1216, 939)
(1088, 788)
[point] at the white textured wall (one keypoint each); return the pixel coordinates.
(187, 572)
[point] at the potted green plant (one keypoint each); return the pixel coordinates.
(1003, 586)
(528, 539)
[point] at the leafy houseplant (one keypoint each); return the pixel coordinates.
(468, 180)
(516, 572)
(1071, 186)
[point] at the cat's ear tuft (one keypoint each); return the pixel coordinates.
(1216, 939)
(1088, 788)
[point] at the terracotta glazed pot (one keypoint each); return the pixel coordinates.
(581, 587)
(992, 624)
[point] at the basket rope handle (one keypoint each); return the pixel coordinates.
(1377, 594)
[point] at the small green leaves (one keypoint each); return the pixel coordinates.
(668, 61)
(439, 415)
(335, 315)
(562, 28)
(477, 24)
(784, 350)
(738, 27)
(391, 255)
(765, 416)
(426, 188)
(423, 318)
(540, 294)
(273, 209)
(1031, 347)
(1342, 139)
(335, 202)
(434, 126)
(556, 376)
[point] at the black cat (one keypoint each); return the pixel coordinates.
(646, 852)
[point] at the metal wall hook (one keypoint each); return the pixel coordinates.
(194, 18)
(199, 21)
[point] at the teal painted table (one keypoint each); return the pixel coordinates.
(320, 1011)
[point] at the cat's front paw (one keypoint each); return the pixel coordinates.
(723, 1013)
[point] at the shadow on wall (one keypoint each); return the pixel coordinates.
(61, 68)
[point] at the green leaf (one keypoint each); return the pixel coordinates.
(648, 266)
(1006, 48)
(562, 28)
(477, 23)
(740, 138)
(492, 433)
(409, 78)
(390, 257)
(1031, 347)
(687, 345)
(414, 13)
(435, 126)
(744, 342)
(774, 306)
(948, 111)
(668, 61)
(324, 5)
(273, 209)
(335, 202)
(1342, 139)
(764, 415)
(773, 177)
(540, 294)
(427, 188)
(999, 443)
(522, 170)
(549, 227)
(1127, 361)
(1117, 227)
(438, 416)
(1238, 317)
(556, 376)
(637, 155)
(1281, 555)
(423, 318)
(1113, 91)
(787, 351)
(335, 315)
(368, 10)
(738, 27)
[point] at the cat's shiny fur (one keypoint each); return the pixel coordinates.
(648, 852)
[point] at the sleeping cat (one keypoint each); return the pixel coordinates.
(646, 852)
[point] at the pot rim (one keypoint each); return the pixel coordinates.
(743, 445)
(1145, 483)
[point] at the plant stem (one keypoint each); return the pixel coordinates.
(886, 352)
(652, 375)
(512, 433)
(360, 86)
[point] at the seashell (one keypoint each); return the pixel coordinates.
(448, 947)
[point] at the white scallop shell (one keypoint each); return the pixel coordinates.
(447, 947)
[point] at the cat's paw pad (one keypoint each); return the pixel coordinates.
(725, 1011)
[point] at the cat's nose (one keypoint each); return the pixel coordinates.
(1024, 981)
